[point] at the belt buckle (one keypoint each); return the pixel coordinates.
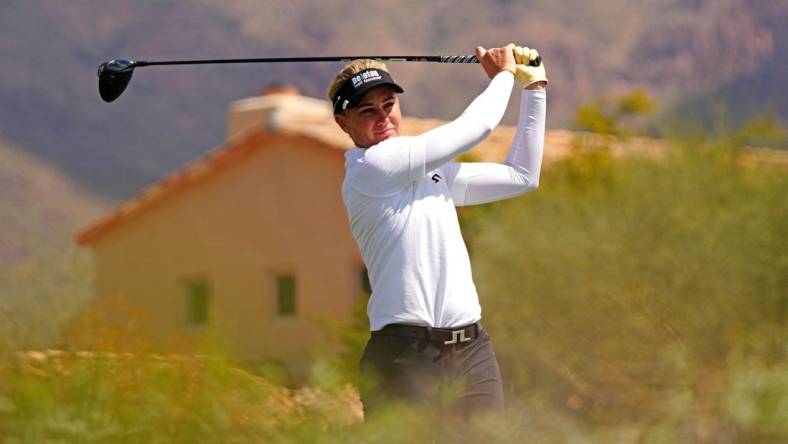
(455, 335)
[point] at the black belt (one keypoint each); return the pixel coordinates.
(446, 336)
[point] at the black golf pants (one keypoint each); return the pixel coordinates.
(461, 378)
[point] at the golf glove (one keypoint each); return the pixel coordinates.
(526, 73)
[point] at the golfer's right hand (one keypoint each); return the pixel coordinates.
(528, 75)
(495, 60)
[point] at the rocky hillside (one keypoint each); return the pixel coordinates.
(690, 54)
(43, 277)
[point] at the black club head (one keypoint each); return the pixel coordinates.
(114, 76)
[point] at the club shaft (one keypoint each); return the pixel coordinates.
(115, 74)
(433, 58)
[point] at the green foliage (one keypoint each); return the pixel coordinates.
(622, 115)
(629, 300)
(105, 397)
(622, 289)
(733, 129)
(762, 130)
(340, 368)
(756, 398)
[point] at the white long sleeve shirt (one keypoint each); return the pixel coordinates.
(401, 195)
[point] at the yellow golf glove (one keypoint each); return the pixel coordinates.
(526, 73)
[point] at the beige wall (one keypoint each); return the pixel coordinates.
(277, 209)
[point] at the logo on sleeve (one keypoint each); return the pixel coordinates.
(436, 178)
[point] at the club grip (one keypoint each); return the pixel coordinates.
(459, 59)
(472, 59)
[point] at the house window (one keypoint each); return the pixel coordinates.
(286, 295)
(198, 301)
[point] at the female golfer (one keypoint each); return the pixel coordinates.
(400, 194)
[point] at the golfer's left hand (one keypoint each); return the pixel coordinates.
(495, 60)
(532, 77)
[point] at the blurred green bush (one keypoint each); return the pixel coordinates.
(645, 294)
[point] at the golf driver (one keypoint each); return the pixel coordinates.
(114, 75)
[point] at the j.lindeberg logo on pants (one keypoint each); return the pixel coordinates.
(436, 178)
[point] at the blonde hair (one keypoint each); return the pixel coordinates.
(351, 69)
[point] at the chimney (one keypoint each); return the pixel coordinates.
(277, 104)
(280, 88)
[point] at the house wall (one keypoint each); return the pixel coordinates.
(279, 209)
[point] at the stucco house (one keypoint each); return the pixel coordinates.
(252, 239)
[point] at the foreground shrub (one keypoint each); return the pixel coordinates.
(622, 288)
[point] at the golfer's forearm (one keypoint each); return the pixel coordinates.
(474, 183)
(478, 183)
(477, 121)
(527, 146)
